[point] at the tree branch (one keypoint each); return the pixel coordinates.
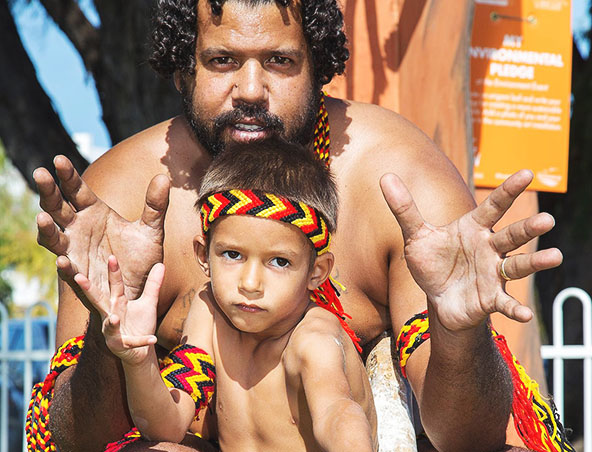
(72, 21)
(30, 129)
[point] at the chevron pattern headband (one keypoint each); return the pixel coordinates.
(265, 205)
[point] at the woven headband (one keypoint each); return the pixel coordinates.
(264, 205)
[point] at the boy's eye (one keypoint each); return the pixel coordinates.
(280, 262)
(232, 255)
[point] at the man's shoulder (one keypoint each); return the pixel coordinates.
(147, 148)
(371, 137)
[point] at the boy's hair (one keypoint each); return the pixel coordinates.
(276, 167)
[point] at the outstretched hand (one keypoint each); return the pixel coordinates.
(128, 325)
(83, 231)
(458, 265)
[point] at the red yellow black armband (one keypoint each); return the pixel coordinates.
(192, 370)
(414, 333)
(535, 418)
(36, 424)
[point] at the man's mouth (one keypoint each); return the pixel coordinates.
(249, 127)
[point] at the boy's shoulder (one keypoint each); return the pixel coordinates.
(317, 337)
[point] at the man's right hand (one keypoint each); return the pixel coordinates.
(83, 231)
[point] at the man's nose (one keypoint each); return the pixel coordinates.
(251, 283)
(250, 85)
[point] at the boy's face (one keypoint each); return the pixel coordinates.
(261, 272)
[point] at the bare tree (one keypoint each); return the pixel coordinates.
(115, 53)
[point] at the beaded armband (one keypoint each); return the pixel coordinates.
(414, 333)
(535, 418)
(192, 370)
(36, 424)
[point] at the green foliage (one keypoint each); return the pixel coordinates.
(19, 250)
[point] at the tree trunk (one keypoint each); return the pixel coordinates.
(30, 129)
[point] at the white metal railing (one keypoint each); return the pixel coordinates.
(559, 352)
(27, 355)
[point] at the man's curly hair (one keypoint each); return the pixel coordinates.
(175, 32)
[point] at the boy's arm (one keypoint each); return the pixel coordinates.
(162, 412)
(339, 423)
(128, 327)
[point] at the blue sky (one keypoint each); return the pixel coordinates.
(62, 74)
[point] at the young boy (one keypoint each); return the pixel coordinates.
(269, 324)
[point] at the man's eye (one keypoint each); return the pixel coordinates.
(280, 262)
(232, 255)
(222, 61)
(279, 60)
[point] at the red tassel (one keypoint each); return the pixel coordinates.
(327, 297)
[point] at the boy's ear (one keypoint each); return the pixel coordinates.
(201, 253)
(321, 270)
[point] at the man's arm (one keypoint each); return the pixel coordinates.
(339, 422)
(460, 380)
(89, 406)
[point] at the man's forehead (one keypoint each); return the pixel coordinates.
(249, 10)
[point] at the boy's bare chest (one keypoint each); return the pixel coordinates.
(257, 406)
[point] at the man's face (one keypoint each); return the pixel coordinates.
(253, 76)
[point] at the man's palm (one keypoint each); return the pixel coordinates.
(83, 231)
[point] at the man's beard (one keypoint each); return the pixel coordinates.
(210, 133)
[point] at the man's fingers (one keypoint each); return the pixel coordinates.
(154, 281)
(499, 201)
(66, 269)
(512, 309)
(116, 286)
(72, 185)
(522, 265)
(51, 200)
(157, 201)
(401, 204)
(91, 293)
(49, 235)
(521, 232)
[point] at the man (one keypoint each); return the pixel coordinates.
(253, 70)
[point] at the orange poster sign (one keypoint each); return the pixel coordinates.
(520, 91)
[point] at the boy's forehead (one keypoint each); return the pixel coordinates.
(266, 231)
(241, 19)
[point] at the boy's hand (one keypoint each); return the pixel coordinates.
(128, 326)
(458, 266)
(83, 231)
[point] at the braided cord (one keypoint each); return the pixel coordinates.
(37, 420)
(192, 370)
(265, 205)
(322, 140)
(414, 333)
(536, 421)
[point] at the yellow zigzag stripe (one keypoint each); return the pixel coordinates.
(278, 206)
(215, 206)
(321, 234)
(244, 200)
(307, 220)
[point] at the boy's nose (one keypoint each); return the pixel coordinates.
(251, 284)
(250, 85)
